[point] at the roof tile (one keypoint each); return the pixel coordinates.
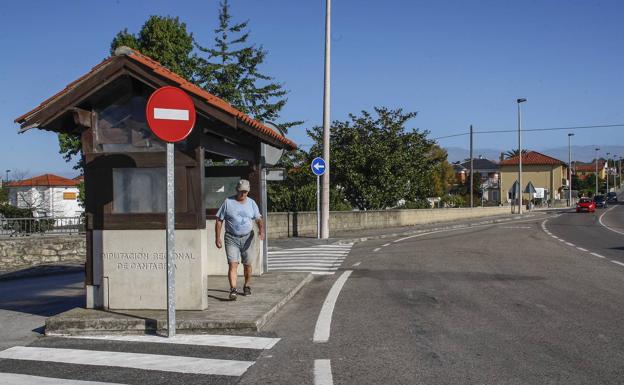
(45, 180)
(532, 157)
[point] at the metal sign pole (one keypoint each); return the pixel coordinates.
(171, 319)
(318, 207)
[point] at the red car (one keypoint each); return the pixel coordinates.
(586, 204)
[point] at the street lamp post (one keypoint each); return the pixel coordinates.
(518, 101)
(569, 170)
(597, 149)
(620, 172)
(7, 175)
(608, 153)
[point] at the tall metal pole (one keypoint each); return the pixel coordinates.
(471, 171)
(620, 172)
(608, 153)
(318, 211)
(596, 193)
(326, 123)
(569, 170)
(171, 317)
(520, 155)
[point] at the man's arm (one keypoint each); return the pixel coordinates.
(218, 224)
(260, 228)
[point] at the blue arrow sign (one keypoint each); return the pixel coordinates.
(318, 166)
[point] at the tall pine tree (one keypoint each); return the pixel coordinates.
(231, 71)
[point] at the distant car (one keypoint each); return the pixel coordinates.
(612, 197)
(600, 201)
(585, 204)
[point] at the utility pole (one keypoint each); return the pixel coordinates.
(596, 193)
(569, 170)
(521, 100)
(608, 153)
(326, 125)
(471, 171)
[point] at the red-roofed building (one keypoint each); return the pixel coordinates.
(46, 195)
(125, 179)
(583, 170)
(547, 175)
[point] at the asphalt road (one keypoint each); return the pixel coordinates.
(499, 304)
(504, 303)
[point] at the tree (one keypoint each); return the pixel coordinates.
(376, 161)
(512, 153)
(231, 71)
(443, 175)
(164, 39)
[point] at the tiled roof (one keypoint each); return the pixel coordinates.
(532, 157)
(588, 167)
(159, 69)
(45, 180)
(481, 164)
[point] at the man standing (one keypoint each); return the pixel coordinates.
(238, 211)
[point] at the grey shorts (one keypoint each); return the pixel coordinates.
(236, 248)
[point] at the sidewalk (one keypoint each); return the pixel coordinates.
(270, 292)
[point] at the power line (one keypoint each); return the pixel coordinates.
(531, 129)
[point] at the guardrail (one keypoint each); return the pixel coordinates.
(19, 227)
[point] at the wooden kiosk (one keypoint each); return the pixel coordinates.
(125, 180)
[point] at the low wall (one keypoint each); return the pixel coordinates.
(20, 253)
(24, 252)
(284, 225)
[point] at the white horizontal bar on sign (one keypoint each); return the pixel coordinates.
(25, 379)
(302, 252)
(170, 114)
(303, 267)
(225, 341)
(309, 263)
(319, 259)
(143, 361)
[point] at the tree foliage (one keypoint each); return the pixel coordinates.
(164, 39)
(231, 71)
(375, 161)
(512, 153)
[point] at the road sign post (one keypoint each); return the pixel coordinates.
(318, 169)
(170, 115)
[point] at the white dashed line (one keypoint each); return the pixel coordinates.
(387, 244)
(322, 372)
(357, 264)
(582, 249)
(569, 244)
(619, 263)
(377, 249)
(597, 255)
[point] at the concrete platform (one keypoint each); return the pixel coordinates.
(247, 314)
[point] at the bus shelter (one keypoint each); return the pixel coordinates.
(125, 180)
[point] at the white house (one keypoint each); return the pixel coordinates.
(46, 195)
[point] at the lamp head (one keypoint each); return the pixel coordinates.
(570, 134)
(521, 100)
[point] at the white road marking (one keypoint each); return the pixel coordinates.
(313, 259)
(569, 244)
(171, 114)
(317, 272)
(24, 379)
(387, 244)
(225, 341)
(322, 372)
(582, 249)
(605, 226)
(554, 236)
(619, 263)
(177, 364)
(323, 323)
(377, 249)
(357, 264)
(597, 255)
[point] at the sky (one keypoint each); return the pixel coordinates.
(455, 63)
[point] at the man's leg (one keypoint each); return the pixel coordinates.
(232, 272)
(247, 270)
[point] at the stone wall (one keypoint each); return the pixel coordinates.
(24, 252)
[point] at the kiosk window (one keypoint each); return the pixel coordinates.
(139, 190)
(217, 189)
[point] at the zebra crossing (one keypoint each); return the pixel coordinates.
(318, 259)
(121, 360)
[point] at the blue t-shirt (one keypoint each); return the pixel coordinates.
(238, 216)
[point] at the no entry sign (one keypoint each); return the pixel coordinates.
(170, 114)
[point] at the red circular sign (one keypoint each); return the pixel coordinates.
(170, 114)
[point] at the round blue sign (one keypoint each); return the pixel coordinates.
(318, 166)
